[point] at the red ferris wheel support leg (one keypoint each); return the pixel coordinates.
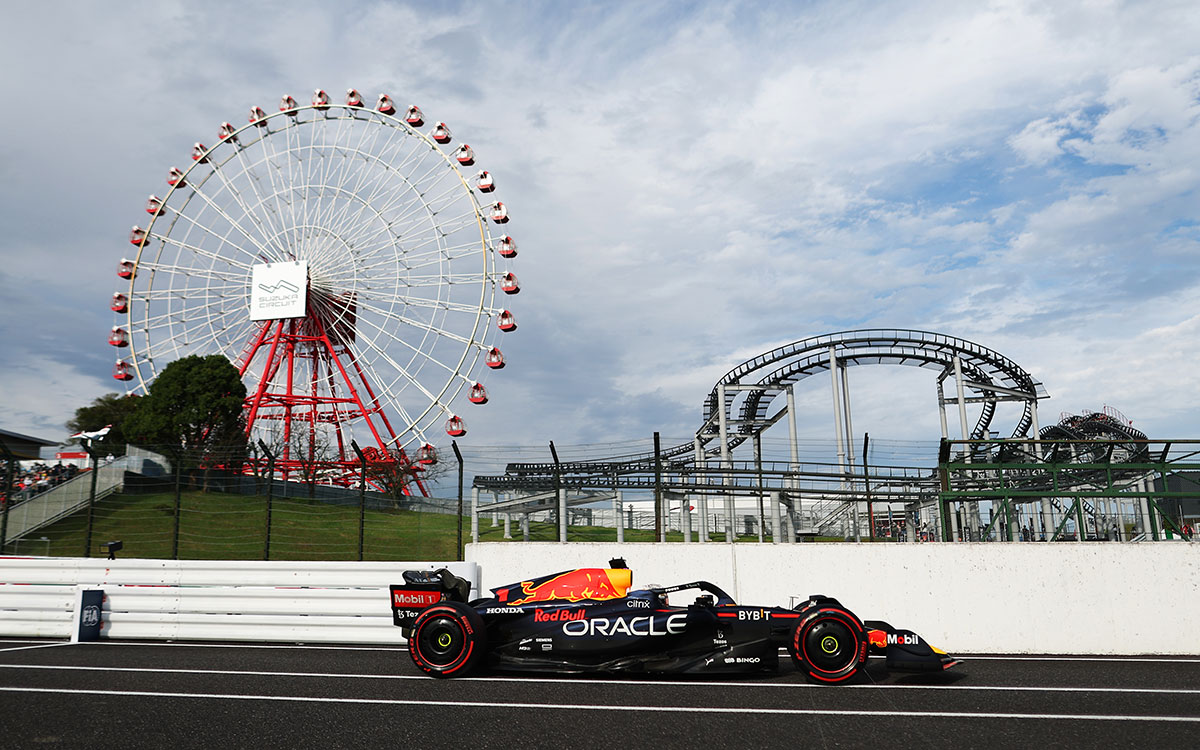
(312, 397)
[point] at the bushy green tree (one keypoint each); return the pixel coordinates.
(110, 409)
(193, 411)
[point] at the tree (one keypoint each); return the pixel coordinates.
(194, 411)
(397, 476)
(110, 409)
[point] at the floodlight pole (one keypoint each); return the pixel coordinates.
(458, 545)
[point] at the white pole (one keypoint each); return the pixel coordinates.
(562, 514)
(474, 514)
(971, 508)
(942, 410)
(837, 406)
(723, 422)
(617, 509)
(775, 530)
(850, 448)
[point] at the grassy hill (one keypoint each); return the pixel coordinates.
(220, 526)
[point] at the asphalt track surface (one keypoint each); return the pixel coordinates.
(208, 695)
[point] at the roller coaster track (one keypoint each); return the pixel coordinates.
(751, 388)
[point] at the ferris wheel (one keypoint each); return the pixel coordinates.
(347, 259)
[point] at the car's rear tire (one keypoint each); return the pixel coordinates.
(448, 640)
(829, 644)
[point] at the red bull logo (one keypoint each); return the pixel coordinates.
(558, 615)
(598, 584)
(877, 638)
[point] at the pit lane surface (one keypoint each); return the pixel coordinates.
(123, 694)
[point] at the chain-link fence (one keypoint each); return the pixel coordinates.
(169, 504)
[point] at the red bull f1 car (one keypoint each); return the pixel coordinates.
(591, 620)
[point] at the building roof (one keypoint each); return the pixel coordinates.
(23, 447)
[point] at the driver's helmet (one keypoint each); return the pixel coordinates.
(651, 591)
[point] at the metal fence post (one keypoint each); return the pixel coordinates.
(559, 500)
(178, 502)
(362, 496)
(87, 538)
(270, 494)
(458, 545)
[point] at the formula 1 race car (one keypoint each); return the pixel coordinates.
(589, 620)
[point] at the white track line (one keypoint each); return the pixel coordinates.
(26, 648)
(730, 685)
(401, 647)
(1150, 659)
(588, 707)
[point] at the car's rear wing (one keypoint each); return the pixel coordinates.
(422, 589)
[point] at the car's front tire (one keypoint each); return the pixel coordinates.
(448, 640)
(829, 644)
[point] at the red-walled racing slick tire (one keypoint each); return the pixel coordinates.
(829, 644)
(448, 640)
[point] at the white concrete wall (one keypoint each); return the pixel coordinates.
(236, 600)
(1058, 598)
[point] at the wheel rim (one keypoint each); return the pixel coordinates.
(830, 646)
(441, 641)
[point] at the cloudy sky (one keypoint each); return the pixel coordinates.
(691, 184)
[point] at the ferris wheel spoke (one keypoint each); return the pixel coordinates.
(192, 330)
(403, 372)
(280, 159)
(223, 239)
(179, 280)
(353, 180)
(273, 191)
(216, 207)
(414, 282)
(394, 317)
(438, 255)
(186, 317)
(415, 209)
(201, 252)
(236, 196)
(319, 162)
(455, 307)
(423, 224)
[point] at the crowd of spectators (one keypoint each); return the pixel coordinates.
(37, 478)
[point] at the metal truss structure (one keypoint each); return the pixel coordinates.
(838, 498)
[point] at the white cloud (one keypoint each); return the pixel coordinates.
(690, 185)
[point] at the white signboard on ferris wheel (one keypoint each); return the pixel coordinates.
(278, 290)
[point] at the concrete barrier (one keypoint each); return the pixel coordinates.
(335, 602)
(971, 598)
